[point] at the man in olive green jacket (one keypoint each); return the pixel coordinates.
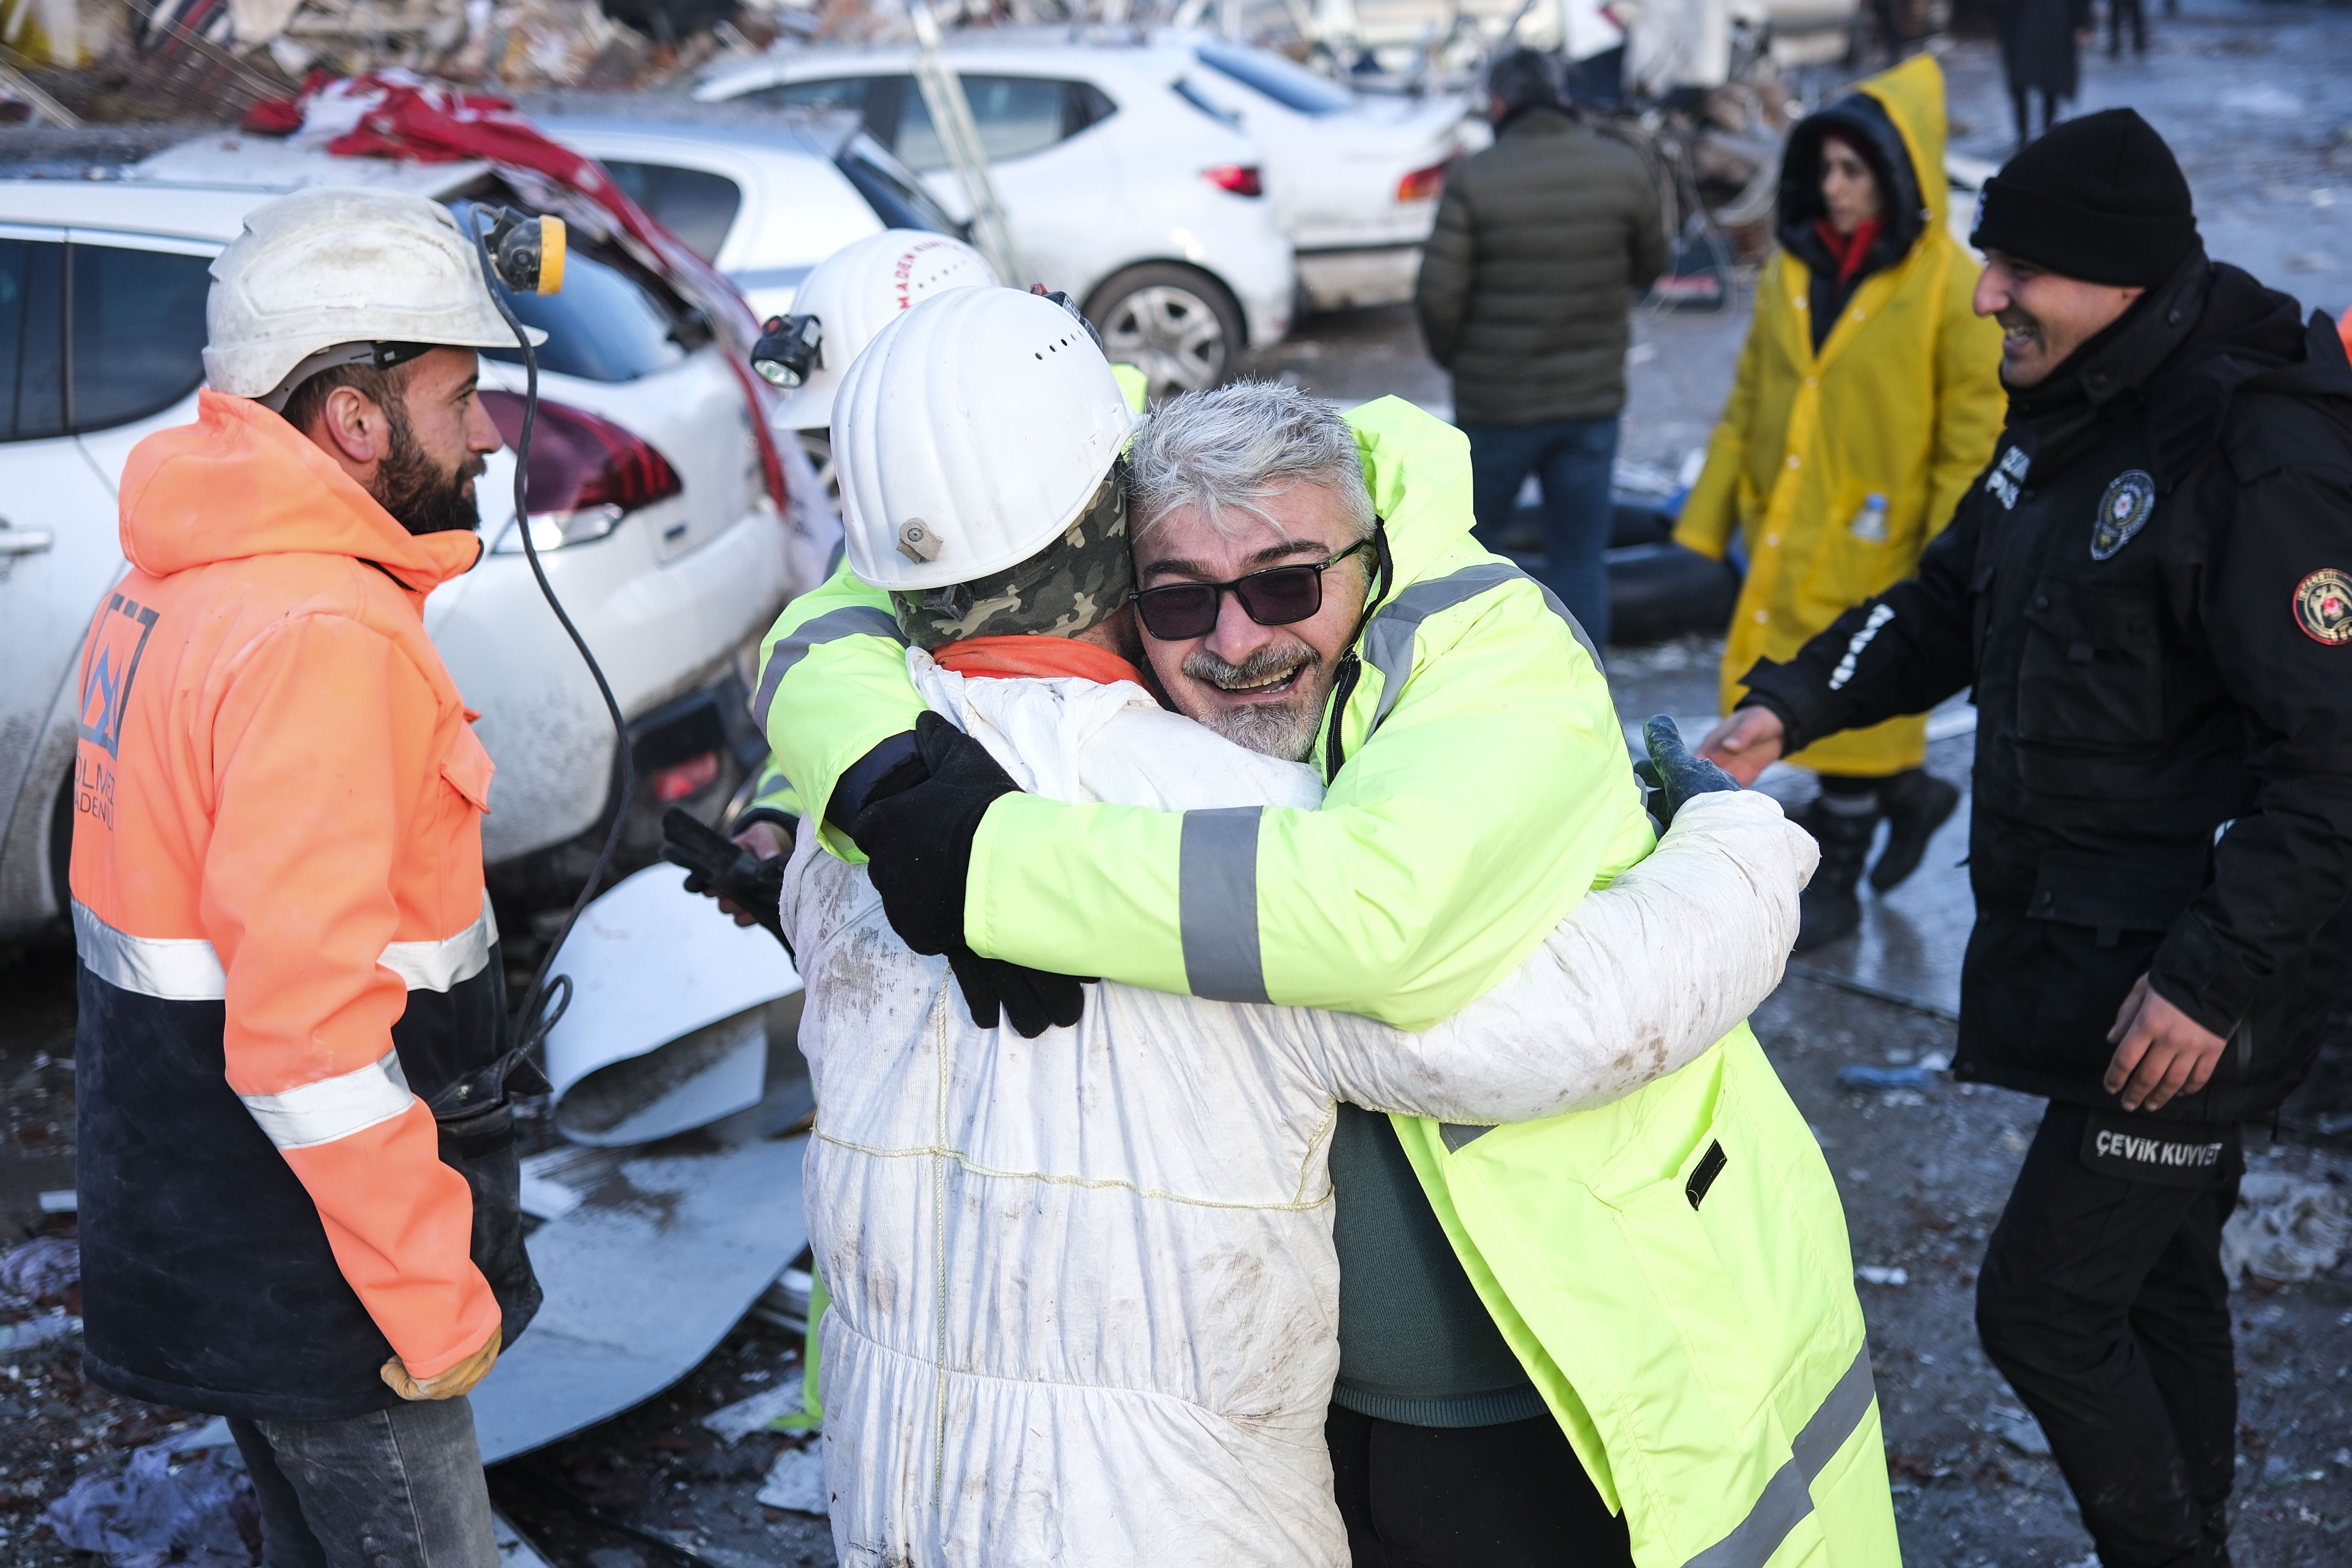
(1542, 243)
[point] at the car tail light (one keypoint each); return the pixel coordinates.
(1241, 179)
(756, 396)
(1423, 184)
(586, 472)
(681, 780)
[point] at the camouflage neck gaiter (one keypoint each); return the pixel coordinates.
(1078, 582)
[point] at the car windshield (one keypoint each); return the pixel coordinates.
(897, 201)
(1292, 86)
(611, 321)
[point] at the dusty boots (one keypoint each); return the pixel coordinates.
(1842, 823)
(1914, 804)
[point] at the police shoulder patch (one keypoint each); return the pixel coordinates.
(2323, 607)
(2122, 512)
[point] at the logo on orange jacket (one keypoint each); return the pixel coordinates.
(116, 644)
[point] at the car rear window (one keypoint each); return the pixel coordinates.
(847, 92)
(138, 331)
(898, 203)
(612, 321)
(1016, 115)
(32, 344)
(1292, 86)
(695, 204)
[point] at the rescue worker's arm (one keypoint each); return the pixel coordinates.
(1711, 511)
(833, 686)
(1441, 294)
(1971, 401)
(1643, 976)
(2280, 870)
(1902, 652)
(319, 767)
(1495, 794)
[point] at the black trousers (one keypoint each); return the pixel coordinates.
(1514, 1496)
(2102, 1302)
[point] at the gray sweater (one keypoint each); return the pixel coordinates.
(1542, 243)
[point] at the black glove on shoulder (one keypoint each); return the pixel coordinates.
(916, 829)
(1673, 774)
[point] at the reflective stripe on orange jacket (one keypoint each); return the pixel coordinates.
(283, 934)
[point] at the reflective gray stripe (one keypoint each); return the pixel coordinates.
(850, 621)
(1838, 1418)
(1216, 901)
(1460, 1135)
(1788, 1496)
(332, 1108)
(440, 965)
(176, 969)
(1388, 642)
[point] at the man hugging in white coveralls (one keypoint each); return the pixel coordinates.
(1085, 1296)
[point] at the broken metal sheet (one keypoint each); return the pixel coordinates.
(661, 1254)
(664, 1030)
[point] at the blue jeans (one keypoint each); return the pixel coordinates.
(1572, 459)
(398, 1488)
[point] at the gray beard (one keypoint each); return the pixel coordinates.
(1285, 730)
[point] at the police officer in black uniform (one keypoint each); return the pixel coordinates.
(2150, 593)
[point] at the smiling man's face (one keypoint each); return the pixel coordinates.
(2044, 317)
(1260, 687)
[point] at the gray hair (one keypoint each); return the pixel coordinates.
(1225, 450)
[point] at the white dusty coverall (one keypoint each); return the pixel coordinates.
(1084, 1300)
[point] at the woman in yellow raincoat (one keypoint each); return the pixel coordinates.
(1867, 397)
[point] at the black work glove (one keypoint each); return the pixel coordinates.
(1672, 774)
(916, 829)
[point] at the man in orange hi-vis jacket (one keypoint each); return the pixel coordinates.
(288, 963)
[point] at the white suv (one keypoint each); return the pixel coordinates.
(1123, 185)
(650, 460)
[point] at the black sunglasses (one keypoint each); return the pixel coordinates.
(1274, 597)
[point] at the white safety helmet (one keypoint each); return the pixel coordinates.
(860, 288)
(972, 430)
(324, 270)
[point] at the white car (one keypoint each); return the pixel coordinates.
(650, 459)
(1122, 185)
(761, 203)
(1354, 177)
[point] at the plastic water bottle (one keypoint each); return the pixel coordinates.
(1869, 524)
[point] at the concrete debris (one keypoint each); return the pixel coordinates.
(796, 1481)
(196, 1516)
(1872, 1274)
(2286, 1227)
(41, 1331)
(737, 1421)
(42, 1269)
(2019, 1430)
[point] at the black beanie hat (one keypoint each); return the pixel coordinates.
(2100, 198)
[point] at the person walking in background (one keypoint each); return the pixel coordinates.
(2039, 52)
(1542, 243)
(1867, 396)
(2136, 13)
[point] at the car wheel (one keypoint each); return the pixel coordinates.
(1178, 326)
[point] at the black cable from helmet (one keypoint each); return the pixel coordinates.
(550, 996)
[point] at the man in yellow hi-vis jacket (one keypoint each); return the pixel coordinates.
(1867, 397)
(1671, 1272)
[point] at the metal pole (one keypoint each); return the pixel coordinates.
(951, 112)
